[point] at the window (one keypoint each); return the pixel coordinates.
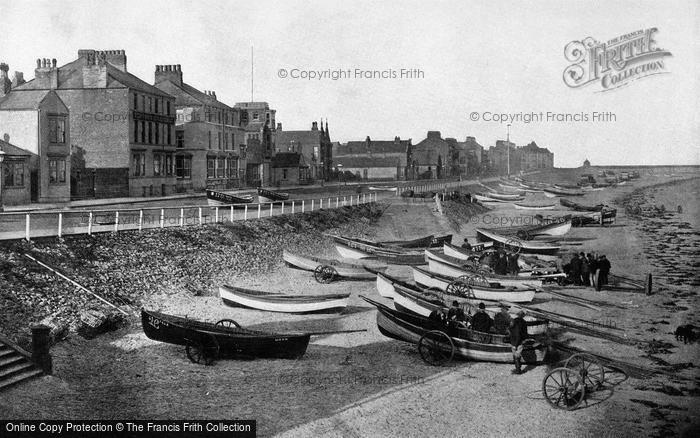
(167, 105)
(209, 139)
(284, 173)
(57, 171)
(136, 131)
(244, 118)
(13, 173)
(157, 109)
(233, 142)
(315, 153)
(211, 167)
(143, 132)
(170, 133)
(169, 164)
(183, 167)
(139, 160)
(231, 167)
(150, 132)
(157, 164)
(150, 104)
(157, 125)
(57, 130)
(218, 140)
(225, 141)
(136, 101)
(221, 168)
(256, 117)
(180, 139)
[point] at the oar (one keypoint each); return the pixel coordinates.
(75, 283)
(335, 332)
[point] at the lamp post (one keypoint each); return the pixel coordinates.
(2, 158)
(508, 148)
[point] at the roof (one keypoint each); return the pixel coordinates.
(12, 150)
(367, 162)
(288, 159)
(202, 97)
(23, 100)
(302, 137)
(375, 146)
(71, 76)
(532, 147)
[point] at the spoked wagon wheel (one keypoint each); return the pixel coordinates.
(513, 245)
(325, 274)
(478, 279)
(436, 348)
(591, 371)
(563, 388)
(203, 351)
(459, 288)
(228, 323)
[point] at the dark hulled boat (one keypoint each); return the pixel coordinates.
(216, 199)
(267, 196)
(225, 338)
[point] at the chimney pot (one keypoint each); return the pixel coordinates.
(53, 62)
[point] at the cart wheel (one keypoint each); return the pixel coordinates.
(436, 348)
(591, 371)
(478, 279)
(523, 235)
(459, 288)
(228, 323)
(202, 352)
(513, 245)
(325, 274)
(563, 388)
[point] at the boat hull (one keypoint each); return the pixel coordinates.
(345, 270)
(282, 303)
(515, 290)
(232, 342)
(525, 246)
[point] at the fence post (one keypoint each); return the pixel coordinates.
(231, 213)
(182, 217)
(200, 215)
(302, 205)
(162, 217)
(216, 214)
(60, 224)
(140, 219)
(90, 224)
(26, 227)
(116, 221)
(245, 213)
(312, 205)
(292, 207)
(282, 212)
(259, 210)
(345, 200)
(320, 204)
(271, 205)
(337, 200)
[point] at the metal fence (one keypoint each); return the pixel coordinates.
(57, 223)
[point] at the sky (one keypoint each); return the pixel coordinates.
(473, 59)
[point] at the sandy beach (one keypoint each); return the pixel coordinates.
(359, 384)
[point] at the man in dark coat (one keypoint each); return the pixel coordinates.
(501, 267)
(502, 320)
(456, 313)
(466, 245)
(482, 322)
(576, 270)
(604, 267)
(518, 334)
(585, 270)
(593, 266)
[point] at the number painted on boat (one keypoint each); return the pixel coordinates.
(281, 339)
(156, 323)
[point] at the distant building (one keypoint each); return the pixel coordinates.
(38, 124)
(431, 158)
(374, 159)
(258, 121)
(534, 157)
(315, 145)
(208, 135)
(15, 174)
(586, 163)
(289, 168)
(122, 128)
(505, 156)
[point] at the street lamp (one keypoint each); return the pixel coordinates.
(508, 146)
(340, 169)
(2, 158)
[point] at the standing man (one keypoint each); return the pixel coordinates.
(576, 270)
(604, 266)
(502, 320)
(585, 270)
(518, 334)
(593, 266)
(466, 245)
(481, 321)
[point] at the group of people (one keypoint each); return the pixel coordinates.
(501, 323)
(588, 270)
(501, 263)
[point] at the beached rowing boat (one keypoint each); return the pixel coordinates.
(216, 199)
(519, 206)
(421, 242)
(236, 296)
(348, 248)
(557, 227)
(268, 196)
(384, 188)
(524, 246)
(225, 338)
(552, 192)
(578, 207)
(496, 197)
(355, 271)
(465, 343)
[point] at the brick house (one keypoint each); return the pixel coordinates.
(431, 157)
(315, 145)
(209, 138)
(289, 168)
(123, 129)
(375, 159)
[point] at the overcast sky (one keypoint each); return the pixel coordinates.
(480, 56)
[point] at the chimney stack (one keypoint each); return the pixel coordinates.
(170, 72)
(46, 73)
(94, 68)
(279, 126)
(18, 79)
(5, 83)
(314, 126)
